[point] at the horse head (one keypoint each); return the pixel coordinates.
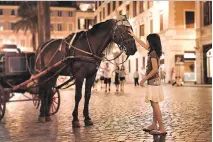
(121, 36)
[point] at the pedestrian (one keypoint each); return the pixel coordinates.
(101, 72)
(117, 78)
(136, 77)
(107, 77)
(122, 78)
(154, 89)
(172, 75)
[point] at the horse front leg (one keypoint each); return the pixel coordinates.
(78, 95)
(89, 83)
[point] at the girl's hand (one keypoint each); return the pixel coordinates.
(131, 33)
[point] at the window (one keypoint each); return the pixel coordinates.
(141, 6)
(12, 26)
(151, 26)
(142, 30)
(12, 12)
(59, 27)
(149, 4)
(100, 16)
(113, 5)
(96, 5)
(109, 8)
(209, 63)
(103, 13)
(189, 19)
(120, 3)
(99, 3)
(81, 23)
(51, 27)
(127, 10)
(70, 13)
(70, 27)
(134, 8)
(95, 20)
(129, 66)
(1, 12)
(161, 22)
(207, 13)
(136, 63)
(143, 61)
(60, 13)
(23, 43)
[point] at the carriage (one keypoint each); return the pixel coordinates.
(16, 68)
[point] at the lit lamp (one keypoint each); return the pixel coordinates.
(84, 7)
(90, 26)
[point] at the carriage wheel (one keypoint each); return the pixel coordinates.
(36, 100)
(55, 102)
(2, 102)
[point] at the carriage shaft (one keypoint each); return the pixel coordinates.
(22, 85)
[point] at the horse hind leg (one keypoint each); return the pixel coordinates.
(89, 82)
(45, 95)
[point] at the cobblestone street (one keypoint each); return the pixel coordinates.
(187, 113)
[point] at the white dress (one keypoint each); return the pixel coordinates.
(154, 94)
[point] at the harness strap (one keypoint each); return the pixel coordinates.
(71, 41)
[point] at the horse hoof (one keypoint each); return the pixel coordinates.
(41, 119)
(88, 122)
(76, 124)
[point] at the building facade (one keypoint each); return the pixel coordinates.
(64, 21)
(185, 33)
(185, 28)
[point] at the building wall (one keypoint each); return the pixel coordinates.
(68, 23)
(175, 37)
(180, 8)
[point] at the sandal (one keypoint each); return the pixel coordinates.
(157, 132)
(147, 129)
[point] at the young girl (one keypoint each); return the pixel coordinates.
(155, 92)
(122, 77)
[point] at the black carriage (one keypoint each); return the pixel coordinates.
(16, 68)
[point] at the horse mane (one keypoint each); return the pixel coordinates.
(97, 27)
(93, 30)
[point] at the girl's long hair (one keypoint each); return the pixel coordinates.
(155, 44)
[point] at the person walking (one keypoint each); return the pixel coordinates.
(154, 93)
(122, 78)
(136, 77)
(107, 77)
(117, 78)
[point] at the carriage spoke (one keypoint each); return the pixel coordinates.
(55, 102)
(54, 106)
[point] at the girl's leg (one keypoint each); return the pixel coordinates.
(157, 111)
(154, 120)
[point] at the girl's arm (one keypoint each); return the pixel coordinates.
(154, 69)
(143, 44)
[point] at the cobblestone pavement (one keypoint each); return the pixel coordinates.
(187, 113)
